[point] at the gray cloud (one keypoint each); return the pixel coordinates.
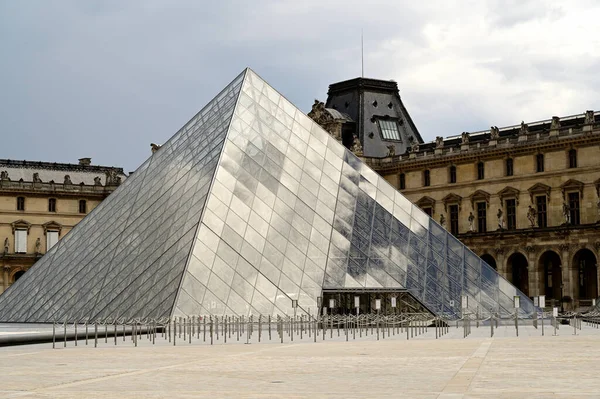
(106, 78)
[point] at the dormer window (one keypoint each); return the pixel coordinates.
(389, 129)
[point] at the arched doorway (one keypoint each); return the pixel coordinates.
(584, 263)
(489, 259)
(18, 275)
(550, 267)
(518, 272)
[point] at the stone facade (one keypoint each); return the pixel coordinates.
(40, 202)
(505, 178)
(526, 198)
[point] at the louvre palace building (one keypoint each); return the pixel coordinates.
(40, 202)
(525, 198)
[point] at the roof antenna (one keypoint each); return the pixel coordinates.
(362, 54)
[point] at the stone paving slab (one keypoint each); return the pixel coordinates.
(531, 366)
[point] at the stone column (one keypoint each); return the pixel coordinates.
(500, 262)
(6, 268)
(531, 251)
(567, 271)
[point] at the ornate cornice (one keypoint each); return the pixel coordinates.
(427, 159)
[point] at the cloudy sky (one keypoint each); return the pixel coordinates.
(103, 79)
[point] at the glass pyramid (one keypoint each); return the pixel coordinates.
(247, 207)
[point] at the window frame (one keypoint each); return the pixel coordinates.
(574, 213)
(49, 235)
(391, 122)
(21, 203)
(481, 219)
(426, 178)
(511, 217)
(540, 161)
(84, 203)
(509, 170)
(572, 158)
(52, 205)
(20, 236)
(480, 170)
(452, 176)
(453, 221)
(541, 215)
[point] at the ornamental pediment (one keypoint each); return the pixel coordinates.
(425, 201)
(509, 192)
(20, 225)
(451, 199)
(479, 196)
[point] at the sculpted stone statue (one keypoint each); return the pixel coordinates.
(555, 123)
(356, 147)
(443, 220)
(566, 213)
(4, 175)
(38, 246)
(6, 245)
(524, 128)
(112, 179)
(471, 221)
(154, 147)
(500, 219)
(494, 133)
(589, 117)
(531, 213)
(414, 147)
(36, 178)
(439, 142)
(391, 150)
(97, 181)
(68, 180)
(465, 138)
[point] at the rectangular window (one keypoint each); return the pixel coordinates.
(51, 239)
(52, 205)
(511, 214)
(542, 216)
(574, 208)
(20, 203)
(428, 210)
(402, 181)
(509, 167)
(452, 174)
(21, 241)
(389, 130)
(572, 158)
(454, 219)
(426, 178)
(82, 206)
(539, 163)
(480, 171)
(481, 217)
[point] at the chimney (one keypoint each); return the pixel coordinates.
(85, 161)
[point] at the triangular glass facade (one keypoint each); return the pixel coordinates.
(250, 205)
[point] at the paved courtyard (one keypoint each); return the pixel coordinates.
(531, 366)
